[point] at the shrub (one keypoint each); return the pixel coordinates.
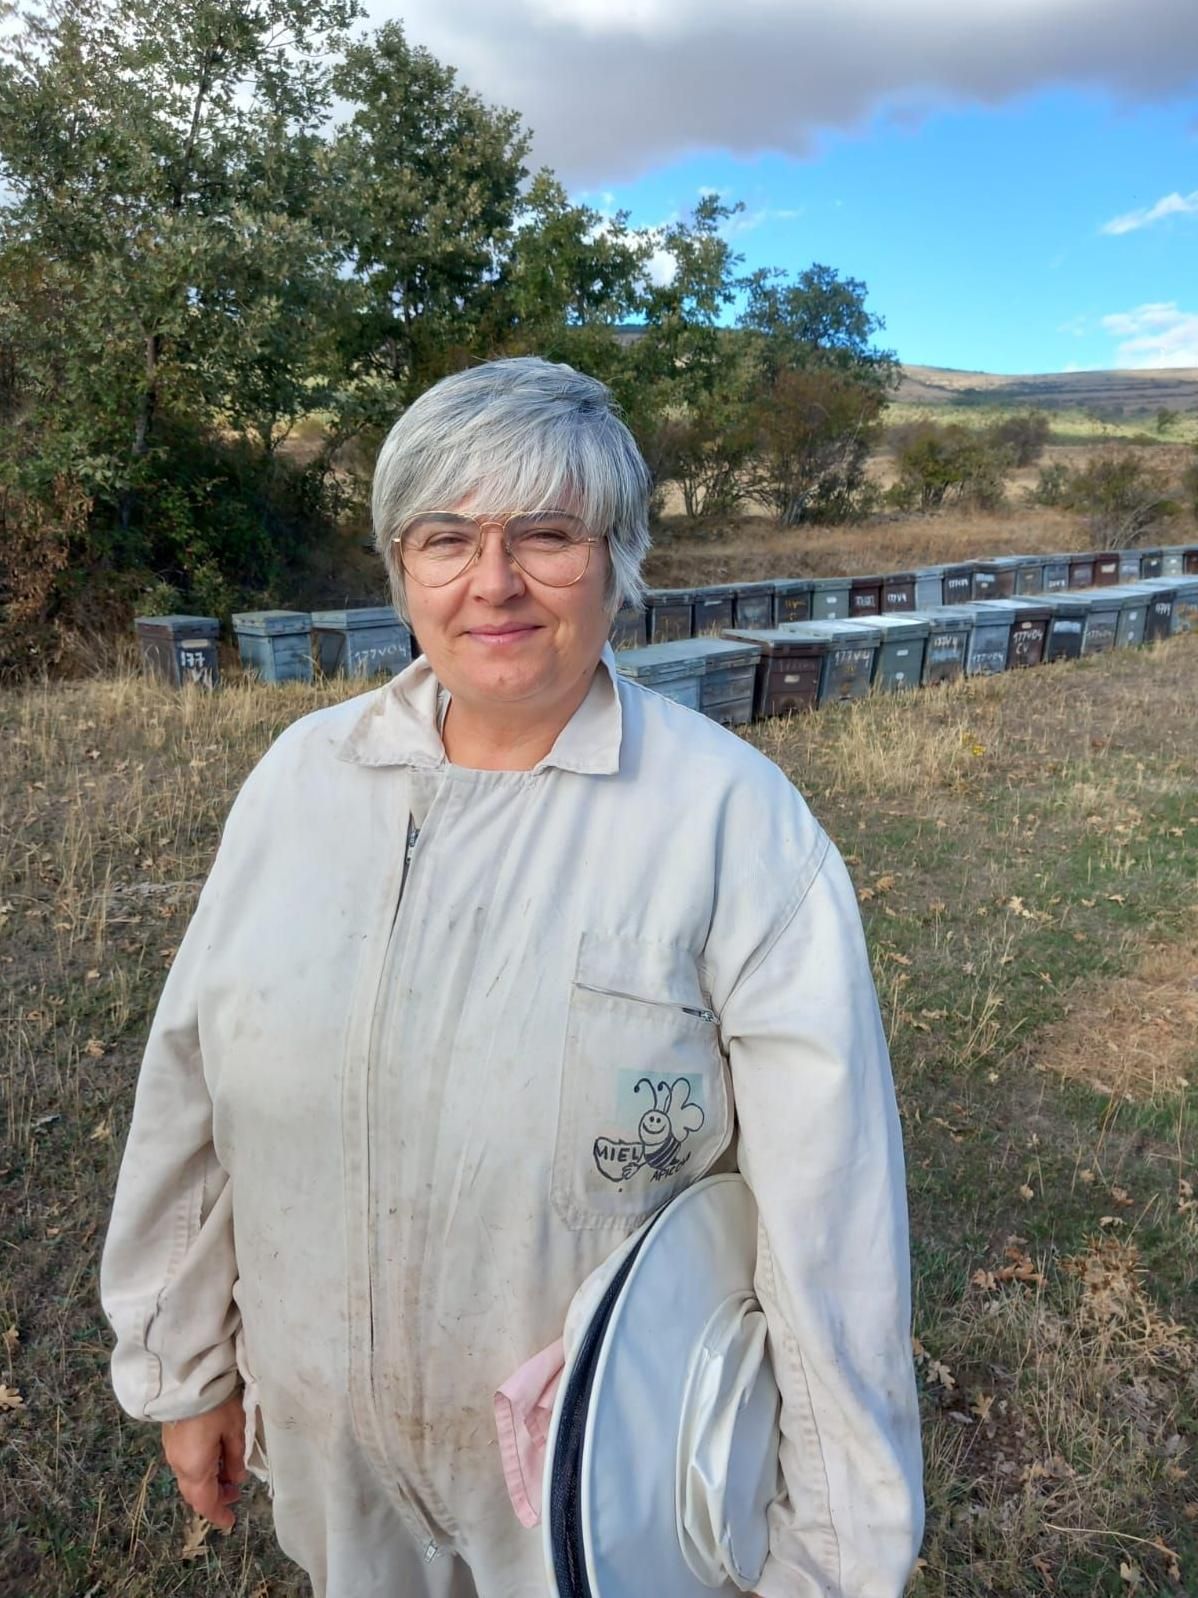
(938, 465)
(40, 533)
(1052, 486)
(1121, 497)
(1023, 436)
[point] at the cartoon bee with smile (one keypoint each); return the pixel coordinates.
(664, 1128)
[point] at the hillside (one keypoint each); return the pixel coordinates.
(1122, 392)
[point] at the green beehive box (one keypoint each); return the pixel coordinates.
(1102, 623)
(829, 598)
(901, 648)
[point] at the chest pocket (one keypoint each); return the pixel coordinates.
(645, 1106)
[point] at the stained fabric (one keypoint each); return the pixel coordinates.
(393, 1111)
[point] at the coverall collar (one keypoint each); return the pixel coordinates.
(399, 725)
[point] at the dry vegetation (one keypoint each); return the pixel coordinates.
(1025, 850)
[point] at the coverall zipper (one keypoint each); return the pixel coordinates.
(431, 1546)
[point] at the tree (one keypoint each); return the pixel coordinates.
(819, 320)
(814, 429)
(1166, 419)
(164, 165)
(426, 187)
(692, 383)
(821, 388)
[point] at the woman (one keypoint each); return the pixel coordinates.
(392, 1110)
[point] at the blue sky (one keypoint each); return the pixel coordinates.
(1015, 180)
(979, 231)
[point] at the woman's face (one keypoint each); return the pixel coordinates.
(496, 636)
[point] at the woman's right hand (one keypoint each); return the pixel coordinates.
(207, 1455)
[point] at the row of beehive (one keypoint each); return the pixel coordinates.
(749, 672)
(670, 613)
(278, 645)
(287, 645)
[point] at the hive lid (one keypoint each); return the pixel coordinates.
(715, 591)
(908, 624)
(670, 596)
(200, 626)
(793, 585)
(718, 653)
(780, 640)
(272, 621)
(765, 587)
(661, 662)
(834, 632)
(357, 616)
(844, 583)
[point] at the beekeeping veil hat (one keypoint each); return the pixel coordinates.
(662, 1454)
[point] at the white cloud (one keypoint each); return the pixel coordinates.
(1154, 335)
(613, 87)
(1170, 205)
(749, 221)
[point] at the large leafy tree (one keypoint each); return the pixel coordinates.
(428, 181)
(163, 163)
(691, 383)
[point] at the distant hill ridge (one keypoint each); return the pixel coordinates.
(1128, 391)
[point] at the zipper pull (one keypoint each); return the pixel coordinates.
(704, 1015)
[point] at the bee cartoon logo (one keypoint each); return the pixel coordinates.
(669, 1119)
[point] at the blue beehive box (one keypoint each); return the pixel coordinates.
(670, 669)
(369, 641)
(729, 677)
(275, 644)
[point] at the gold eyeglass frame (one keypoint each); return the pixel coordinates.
(482, 523)
(502, 523)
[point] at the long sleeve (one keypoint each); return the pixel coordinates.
(820, 1146)
(169, 1265)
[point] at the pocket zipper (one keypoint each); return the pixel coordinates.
(656, 1004)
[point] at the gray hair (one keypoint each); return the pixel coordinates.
(519, 434)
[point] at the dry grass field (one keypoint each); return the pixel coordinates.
(1026, 855)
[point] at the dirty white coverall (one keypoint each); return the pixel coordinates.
(390, 1118)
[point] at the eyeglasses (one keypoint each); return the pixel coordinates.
(550, 546)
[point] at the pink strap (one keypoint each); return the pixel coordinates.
(523, 1407)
